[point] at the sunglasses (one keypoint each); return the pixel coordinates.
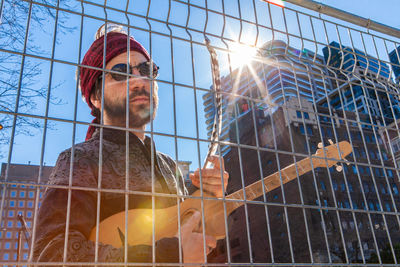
(143, 68)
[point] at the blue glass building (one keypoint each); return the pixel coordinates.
(361, 83)
(394, 57)
(280, 73)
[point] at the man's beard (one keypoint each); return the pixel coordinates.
(138, 117)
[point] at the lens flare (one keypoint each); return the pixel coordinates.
(241, 54)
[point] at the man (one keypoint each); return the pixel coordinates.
(73, 211)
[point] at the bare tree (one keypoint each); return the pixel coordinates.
(20, 88)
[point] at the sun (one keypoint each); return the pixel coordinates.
(241, 54)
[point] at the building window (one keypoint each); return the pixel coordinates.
(22, 194)
(30, 204)
(329, 132)
(31, 194)
(372, 154)
(351, 187)
(356, 152)
(373, 189)
(301, 127)
(9, 224)
(5, 256)
(309, 130)
(371, 205)
(7, 245)
(8, 234)
(13, 193)
(335, 186)
(12, 203)
(354, 169)
(342, 187)
(388, 206)
(21, 203)
(378, 207)
(29, 214)
(323, 187)
(366, 187)
(379, 172)
(390, 173)
(10, 213)
(395, 190)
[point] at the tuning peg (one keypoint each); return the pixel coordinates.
(320, 145)
(330, 141)
(338, 168)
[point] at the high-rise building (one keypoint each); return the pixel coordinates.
(324, 214)
(280, 72)
(20, 195)
(394, 58)
(362, 83)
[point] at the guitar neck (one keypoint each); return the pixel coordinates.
(271, 182)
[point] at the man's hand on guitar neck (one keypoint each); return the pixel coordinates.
(192, 241)
(211, 178)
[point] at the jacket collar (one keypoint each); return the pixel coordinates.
(119, 137)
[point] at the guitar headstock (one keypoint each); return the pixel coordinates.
(331, 155)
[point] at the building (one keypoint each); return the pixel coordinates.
(391, 137)
(280, 72)
(184, 166)
(324, 213)
(21, 195)
(362, 83)
(394, 58)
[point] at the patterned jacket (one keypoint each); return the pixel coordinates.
(82, 203)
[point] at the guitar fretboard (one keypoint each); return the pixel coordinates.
(271, 182)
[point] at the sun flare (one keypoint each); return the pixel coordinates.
(241, 54)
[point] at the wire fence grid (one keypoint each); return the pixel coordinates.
(298, 88)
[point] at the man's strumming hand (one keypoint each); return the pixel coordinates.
(211, 178)
(193, 243)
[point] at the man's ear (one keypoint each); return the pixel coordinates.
(95, 100)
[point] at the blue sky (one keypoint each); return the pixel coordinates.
(190, 83)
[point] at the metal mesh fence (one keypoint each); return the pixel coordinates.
(308, 102)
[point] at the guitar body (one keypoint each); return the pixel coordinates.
(140, 222)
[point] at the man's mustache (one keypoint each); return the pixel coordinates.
(141, 92)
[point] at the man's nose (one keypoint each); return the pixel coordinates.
(137, 83)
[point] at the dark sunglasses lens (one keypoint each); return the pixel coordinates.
(144, 69)
(119, 68)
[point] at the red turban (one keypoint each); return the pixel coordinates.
(117, 43)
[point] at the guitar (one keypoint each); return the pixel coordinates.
(140, 221)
